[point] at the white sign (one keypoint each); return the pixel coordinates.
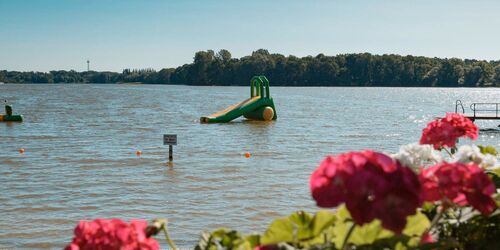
(169, 139)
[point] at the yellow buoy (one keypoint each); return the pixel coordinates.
(268, 113)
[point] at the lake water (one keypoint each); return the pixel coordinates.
(80, 162)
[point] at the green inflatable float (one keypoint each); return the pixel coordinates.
(259, 106)
(9, 117)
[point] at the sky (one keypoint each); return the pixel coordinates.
(44, 35)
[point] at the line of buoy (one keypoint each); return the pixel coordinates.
(139, 153)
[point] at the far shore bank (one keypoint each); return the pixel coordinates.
(246, 85)
(343, 70)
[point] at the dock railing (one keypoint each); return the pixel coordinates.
(485, 109)
(480, 110)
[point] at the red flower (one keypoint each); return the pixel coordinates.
(364, 187)
(479, 189)
(371, 184)
(328, 182)
(112, 234)
(445, 132)
(267, 247)
(426, 238)
(458, 183)
(401, 199)
(463, 125)
(443, 180)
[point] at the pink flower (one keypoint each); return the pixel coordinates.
(267, 247)
(112, 234)
(426, 238)
(463, 125)
(458, 183)
(479, 189)
(401, 199)
(443, 180)
(371, 184)
(328, 182)
(364, 187)
(445, 132)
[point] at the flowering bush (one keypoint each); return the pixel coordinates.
(417, 198)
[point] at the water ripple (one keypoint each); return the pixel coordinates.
(80, 164)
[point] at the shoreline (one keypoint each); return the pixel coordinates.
(245, 85)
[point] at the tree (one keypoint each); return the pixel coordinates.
(202, 60)
(209, 68)
(223, 55)
(496, 78)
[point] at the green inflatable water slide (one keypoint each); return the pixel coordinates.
(259, 106)
(9, 117)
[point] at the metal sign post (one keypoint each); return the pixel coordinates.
(170, 140)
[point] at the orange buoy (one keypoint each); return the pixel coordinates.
(21, 150)
(247, 155)
(138, 152)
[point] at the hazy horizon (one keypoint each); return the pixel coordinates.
(114, 35)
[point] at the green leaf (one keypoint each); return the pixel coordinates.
(301, 221)
(373, 231)
(253, 240)
(495, 171)
(416, 225)
(488, 150)
(321, 221)
(225, 239)
(300, 228)
(428, 206)
(495, 176)
(361, 235)
(280, 230)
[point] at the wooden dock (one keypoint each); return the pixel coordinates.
(473, 118)
(480, 110)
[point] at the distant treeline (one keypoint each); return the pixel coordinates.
(210, 68)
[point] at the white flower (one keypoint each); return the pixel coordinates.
(416, 156)
(472, 153)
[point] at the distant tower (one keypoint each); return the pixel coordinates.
(88, 65)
